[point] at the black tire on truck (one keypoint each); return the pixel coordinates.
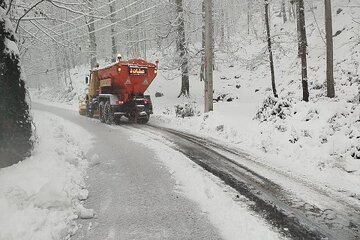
(89, 113)
(132, 116)
(101, 111)
(143, 120)
(117, 119)
(108, 114)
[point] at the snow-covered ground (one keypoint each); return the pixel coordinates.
(40, 197)
(318, 141)
(226, 211)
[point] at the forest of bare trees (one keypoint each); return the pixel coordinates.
(57, 35)
(54, 36)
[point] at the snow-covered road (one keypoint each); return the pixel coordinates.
(142, 189)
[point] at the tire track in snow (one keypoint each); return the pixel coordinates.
(293, 216)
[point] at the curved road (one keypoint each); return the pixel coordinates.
(132, 195)
(136, 194)
(278, 196)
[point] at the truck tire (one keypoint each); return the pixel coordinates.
(117, 120)
(108, 115)
(89, 113)
(143, 120)
(132, 116)
(101, 111)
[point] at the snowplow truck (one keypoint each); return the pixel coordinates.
(119, 90)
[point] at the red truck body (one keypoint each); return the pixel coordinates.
(128, 78)
(118, 90)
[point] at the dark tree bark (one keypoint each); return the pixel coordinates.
(112, 31)
(222, 29)
(248, 15)
(209, 56)
(329, 51)
(92, 37)
(181, 47)
(270, 48)
(202, 66)
(297, 9)
(303, 49)
(283, 11)
(290, 11)
(15, 122)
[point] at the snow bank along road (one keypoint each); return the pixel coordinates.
(135, 197)
(299, 209)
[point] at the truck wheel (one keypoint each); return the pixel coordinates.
(108, 115)
(89, 113)
(132, 116)
(101, 111)
(117, 120)
(143, 120)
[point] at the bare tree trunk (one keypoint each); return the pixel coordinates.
(112, 31)
(137, 38)
(209, 54)
(67, 67)
(128, 33)
(92, 38)
(290, 11)
(222, 29)
(248, 16)
(202, 67)
(294, 8)
(329, 51)
(269, 48)
(283, 10)
(181, 46)
(58, 65)
(303, 50)
(298, 26)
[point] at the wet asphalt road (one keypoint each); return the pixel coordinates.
(132, 194)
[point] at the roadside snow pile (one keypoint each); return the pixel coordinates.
(40, 196)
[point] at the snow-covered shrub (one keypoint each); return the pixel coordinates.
(224, 97)
(166, 111)
(338, 120)
(281, 126)
(346, 123)
(219, 128)
(355, 151)
(273, 108)
(312, 114)
(294, 136)
(185, 110)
